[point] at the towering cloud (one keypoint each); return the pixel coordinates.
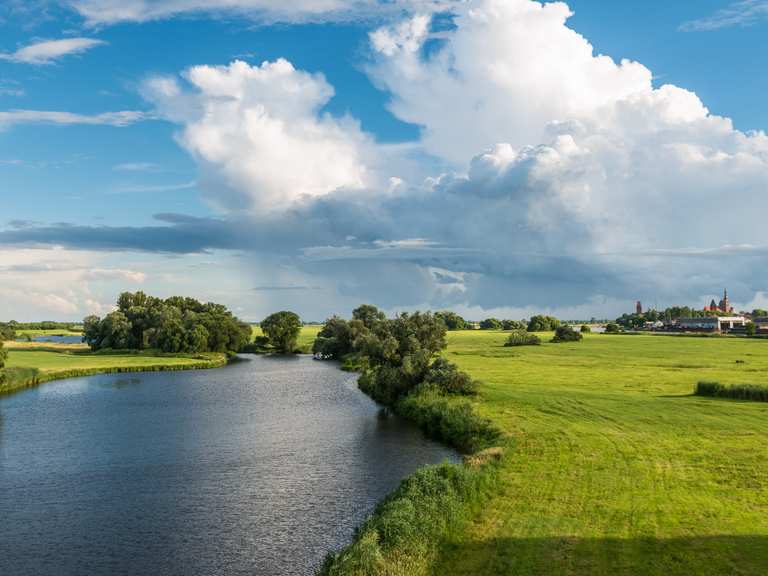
(259, 136)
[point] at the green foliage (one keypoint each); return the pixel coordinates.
(452, 320)
(750, 328)
(612, 328)
(454, 422)
(490, 324)
(282, 329)
(3, 357)
(514, 325)
(566, 334)
(754, 392)
(445, 377)
(542, 323)
(174, 325)
(7, 332)
(585, 329)
(522, 338)
(404, 533)
(757, 312)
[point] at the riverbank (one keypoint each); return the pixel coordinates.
(612, 467)
(31, 364)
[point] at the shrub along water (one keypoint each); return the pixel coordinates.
(401, 368)
(752, 392)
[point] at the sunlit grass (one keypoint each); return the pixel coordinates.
(306, 337)
(616, 467)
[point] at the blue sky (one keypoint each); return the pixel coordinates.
(104, 179)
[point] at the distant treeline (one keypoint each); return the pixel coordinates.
(176, 324)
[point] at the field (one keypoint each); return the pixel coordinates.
(615, 467)
(36, 333)
(306, 338)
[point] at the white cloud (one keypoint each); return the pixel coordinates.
(259, 134)
(742, 13)
(112, 11)
(48, 51)
(52, 283)
(121, 118)
(136, 167)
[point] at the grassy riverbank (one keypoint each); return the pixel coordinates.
(612, 465)
(30, 364)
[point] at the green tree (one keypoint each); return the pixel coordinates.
(452, 320)
(585, 329)
(490, 324)
(612, 328)
(368, 314)
(3, 355)
(750, 328)
(565, 333)
(282, 329)
(541, 323)
(514, 325)
(115, 331)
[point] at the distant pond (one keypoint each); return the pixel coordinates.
(61, 339)
(258, 468)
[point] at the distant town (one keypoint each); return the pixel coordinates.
(713, 317)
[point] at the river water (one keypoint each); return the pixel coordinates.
(257, 468)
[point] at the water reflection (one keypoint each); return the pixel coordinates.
(258, 468)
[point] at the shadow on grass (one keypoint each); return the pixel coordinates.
(694, 556)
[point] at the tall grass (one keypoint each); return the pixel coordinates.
(404, 533)
(754, 392)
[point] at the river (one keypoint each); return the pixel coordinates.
(257, 468)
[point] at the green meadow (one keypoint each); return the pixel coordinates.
(306, 337)
(614, 467)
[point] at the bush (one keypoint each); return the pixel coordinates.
(754, 392)
(522, 338)
(446, 378)
(490, 324)
(612, 328)
(585, 329)
(514, 325)
(404, 533)
(543, 323)
(566, 334)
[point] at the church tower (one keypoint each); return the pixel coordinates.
(638, 307)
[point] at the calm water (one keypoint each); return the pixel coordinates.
(61, 339)
(258, 468)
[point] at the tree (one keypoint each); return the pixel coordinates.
(750, 328)
(368, 314)
(585, 329)
(514, 325)
(490, 324)
(542, 323)
(566, 334)
(612, 328)
(452, 320)
(757, 312)
(115, 331)
(282, 329)
(3, 355)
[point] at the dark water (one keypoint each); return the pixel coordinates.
(61, 339)
(258, 468)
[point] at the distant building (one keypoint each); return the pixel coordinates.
(711, 323)
(639, 307)
(723, 306)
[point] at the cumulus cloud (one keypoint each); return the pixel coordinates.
(48, 51)
(260, 136)
(569, 182)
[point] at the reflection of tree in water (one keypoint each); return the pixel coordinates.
(126, 382)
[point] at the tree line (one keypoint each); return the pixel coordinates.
(174, 325)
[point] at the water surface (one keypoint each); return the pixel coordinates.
(258, 468)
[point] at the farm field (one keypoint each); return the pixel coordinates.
(615, 468)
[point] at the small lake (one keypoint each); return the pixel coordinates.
(258, 468)
(58, 338)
